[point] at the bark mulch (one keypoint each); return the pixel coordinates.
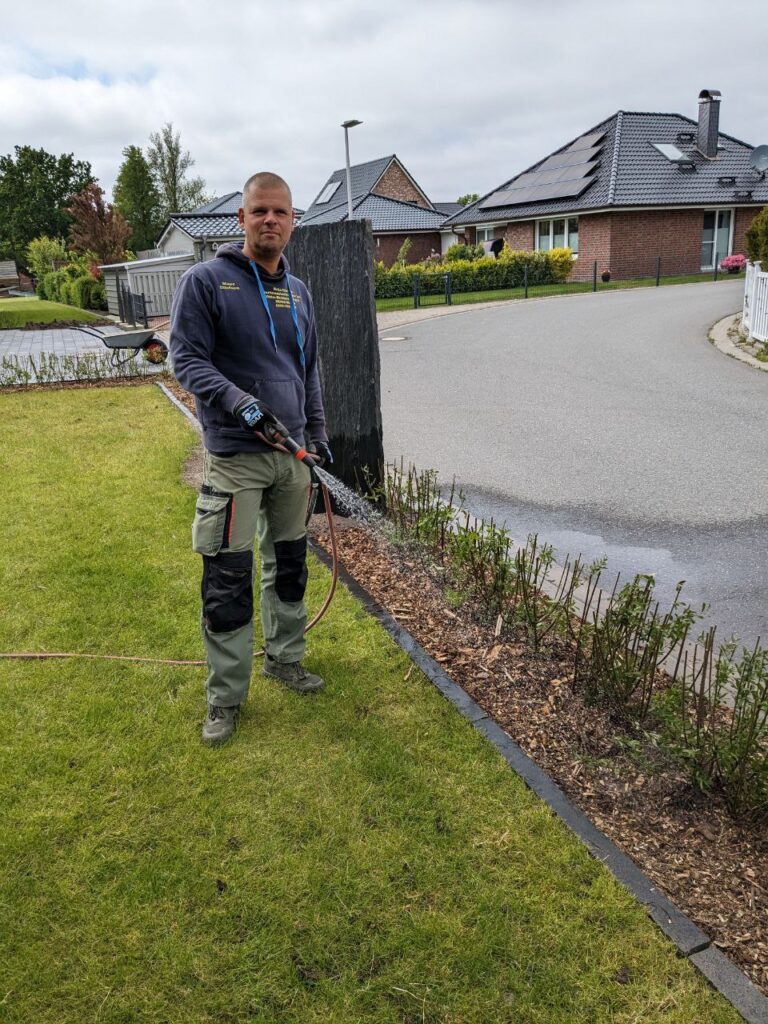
(713, 868)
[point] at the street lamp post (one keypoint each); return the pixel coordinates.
(346, 125)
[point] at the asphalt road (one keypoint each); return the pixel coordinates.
(608, 424)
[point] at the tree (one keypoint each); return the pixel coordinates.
(97, 226)
(470, 197)
(137, 199)
(35, 188)
(169, 166)
(44, 253)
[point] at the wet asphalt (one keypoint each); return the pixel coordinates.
(606, 423)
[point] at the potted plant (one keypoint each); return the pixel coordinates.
(605, 274)
(734, 264)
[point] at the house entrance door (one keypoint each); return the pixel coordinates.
(716, 237)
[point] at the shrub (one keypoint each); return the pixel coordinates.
(43, 254)
(459, 251)
(734, 264)
(757, 239)
(402, 252)
(561, 261)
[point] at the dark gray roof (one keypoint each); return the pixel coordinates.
(229, 203)
(208, 225)
(362, 179)
(633, 173)
(384, 214)
(448, 208)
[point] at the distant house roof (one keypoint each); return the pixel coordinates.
(624, 168)
(217, 219)
(448, 208)
(385, 213)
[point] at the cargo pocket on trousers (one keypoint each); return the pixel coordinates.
(212, 525)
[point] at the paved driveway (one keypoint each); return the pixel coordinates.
(62, 343)
(607, 423)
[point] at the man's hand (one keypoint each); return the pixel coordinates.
(254, 415)
(320, 452)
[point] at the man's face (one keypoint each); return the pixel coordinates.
(267, 219)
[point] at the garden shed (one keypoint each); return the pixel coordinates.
(155, 279)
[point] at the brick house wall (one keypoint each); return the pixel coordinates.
(386, 247)
(594, 244)
(395, 184)
(519, 236)
(638, 239)
(744, 218)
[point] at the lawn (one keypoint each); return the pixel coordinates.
(19, 312)
(539, 291)
(361, 856)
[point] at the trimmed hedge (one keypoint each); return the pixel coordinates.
(487, 274)
(72, 287)
(757, 239)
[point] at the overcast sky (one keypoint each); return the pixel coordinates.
(466, 93)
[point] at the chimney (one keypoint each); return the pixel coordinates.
(709, 122)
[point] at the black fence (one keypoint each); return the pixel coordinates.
(444, 287)
(132, 306)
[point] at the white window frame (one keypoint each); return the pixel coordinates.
(716, 210)
(333, 186)
(485, 228)
(551, 221)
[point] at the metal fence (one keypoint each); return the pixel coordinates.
(132, 306)
(755, 311)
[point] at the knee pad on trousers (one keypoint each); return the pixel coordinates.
(291, 569)
(227, 590)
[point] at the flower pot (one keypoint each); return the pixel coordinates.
(605, 276)
(734, 270)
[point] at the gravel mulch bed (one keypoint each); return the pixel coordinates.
(712, 868)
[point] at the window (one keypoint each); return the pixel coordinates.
(328, 192)
(484, 235)
(716, 238)
(558, 233)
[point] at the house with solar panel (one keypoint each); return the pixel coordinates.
(384, 193)
(636, 189)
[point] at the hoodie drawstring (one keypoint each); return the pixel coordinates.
(294, 314)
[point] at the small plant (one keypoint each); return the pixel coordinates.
(734, 264)
(402, 252)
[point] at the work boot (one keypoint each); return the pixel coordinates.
(219, 724)
(293, 675)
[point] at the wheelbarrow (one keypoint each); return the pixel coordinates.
(142, 340)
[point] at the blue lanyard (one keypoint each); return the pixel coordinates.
(294, 314)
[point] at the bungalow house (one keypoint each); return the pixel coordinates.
(200, 232)
(632, 189)
(386, 194)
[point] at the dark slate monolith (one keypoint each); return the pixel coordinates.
(335, 261)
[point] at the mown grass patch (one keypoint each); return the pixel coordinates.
(20, 312)
(359, 856)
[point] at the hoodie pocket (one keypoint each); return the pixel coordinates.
(286, 400)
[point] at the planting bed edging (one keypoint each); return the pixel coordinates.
(690, 940)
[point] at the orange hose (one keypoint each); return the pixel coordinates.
(35, 656)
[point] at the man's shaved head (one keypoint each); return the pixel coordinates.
(265, 179)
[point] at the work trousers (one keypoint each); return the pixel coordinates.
(245, 496)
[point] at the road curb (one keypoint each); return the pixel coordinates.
(689, 939)
(720, 338)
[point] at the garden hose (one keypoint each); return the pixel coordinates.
(43, 656)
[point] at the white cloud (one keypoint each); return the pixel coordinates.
(466, 93)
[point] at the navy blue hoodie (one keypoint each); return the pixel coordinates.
(222, 350)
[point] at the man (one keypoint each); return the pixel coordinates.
(243, 343)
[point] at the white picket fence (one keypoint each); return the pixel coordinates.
(754, 319)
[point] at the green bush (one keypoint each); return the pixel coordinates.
(757, 239)
(74, 286)
(562, 263)
(43, 254)
(459, 251)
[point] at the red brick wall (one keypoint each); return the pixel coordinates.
(594, 244)
(395, 184)
(386, 247)
(520, 236)
(637, 239)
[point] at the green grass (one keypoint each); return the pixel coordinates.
(362, 856)
(18, 312)
(539, 291)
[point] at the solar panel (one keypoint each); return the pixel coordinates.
(567, 158)
(586, 142)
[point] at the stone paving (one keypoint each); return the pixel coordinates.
(62, 344)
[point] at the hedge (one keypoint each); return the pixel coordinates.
(72, 287)
(508, 271)
(757, 239)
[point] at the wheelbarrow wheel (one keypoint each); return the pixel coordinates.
(155, 351)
